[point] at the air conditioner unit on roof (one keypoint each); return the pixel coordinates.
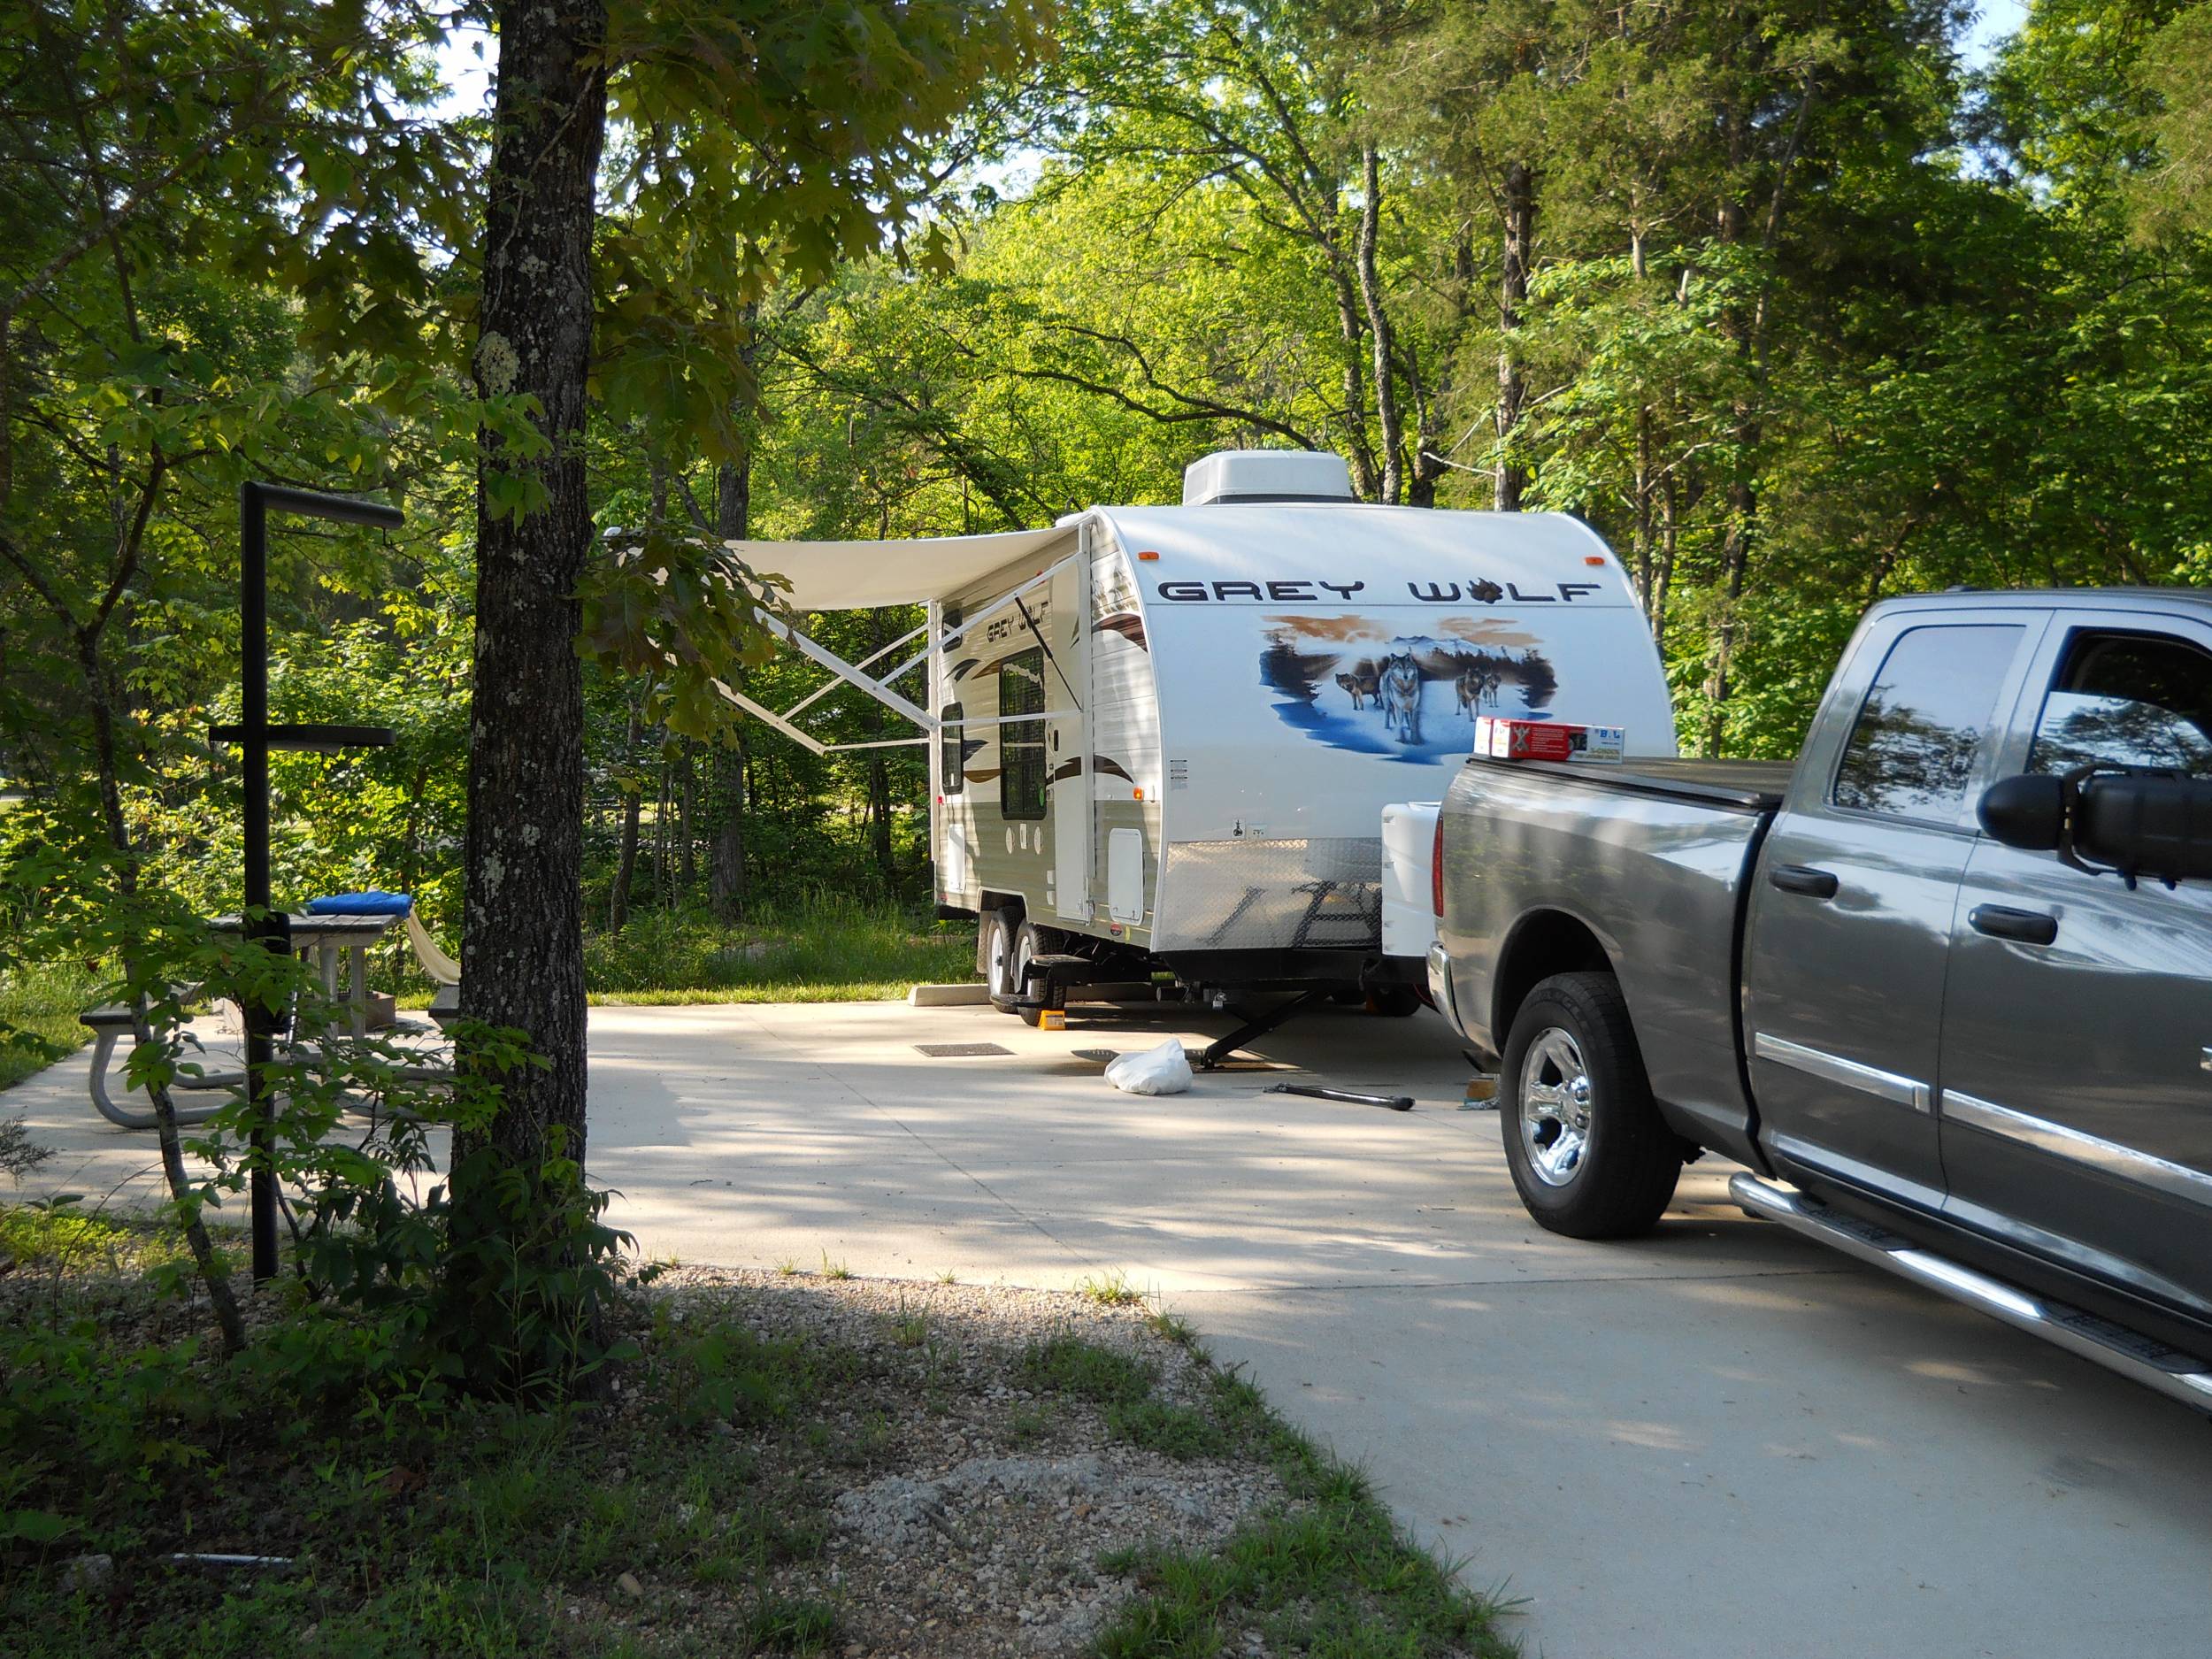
(1266, 475)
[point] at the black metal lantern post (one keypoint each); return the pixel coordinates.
(256, 737)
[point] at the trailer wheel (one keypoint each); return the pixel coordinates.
(1032, 941)
(1590, 1155)
(998, 956)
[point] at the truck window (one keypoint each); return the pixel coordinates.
(2128, 700)
(952, 777)
(1922, 727)
(1021, 780)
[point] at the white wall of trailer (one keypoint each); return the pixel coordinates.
(1314, 662)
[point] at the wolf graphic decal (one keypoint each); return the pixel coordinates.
(1351, 683)
(1401, 698)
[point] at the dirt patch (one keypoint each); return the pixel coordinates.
(970, 1483)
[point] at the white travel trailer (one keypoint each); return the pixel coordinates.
(1163, 736)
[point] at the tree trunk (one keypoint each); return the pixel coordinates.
(1642, 509)
(625, 858)
(1735, 559)
(214, 1273)
(726, 860)
(1379, 330)
(1662, 577)
(687, 806)
(663, 811)
(1511, 478)
(1430, 402)
(879, 823)
(524, 927)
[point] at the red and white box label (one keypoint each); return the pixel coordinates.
(1497, 738)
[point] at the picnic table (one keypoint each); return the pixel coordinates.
(328, 937)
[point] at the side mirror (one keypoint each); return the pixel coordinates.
(2028, 812)
(2146, 824)
(2138, 822)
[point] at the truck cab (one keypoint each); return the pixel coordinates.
(2019, 1043)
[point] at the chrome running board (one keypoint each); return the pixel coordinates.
(2177, 1375)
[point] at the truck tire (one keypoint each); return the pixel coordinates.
(1032, 941)
(1590, 1154)
(999, 928)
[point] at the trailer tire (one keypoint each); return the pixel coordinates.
(1032, 941)
(1394, 1002)
(999, 929)
(1589, 1153)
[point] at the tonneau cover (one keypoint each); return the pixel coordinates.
(1745, 786)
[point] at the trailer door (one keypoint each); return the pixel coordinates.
(1070, 749)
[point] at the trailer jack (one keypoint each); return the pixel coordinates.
(1210, 1057)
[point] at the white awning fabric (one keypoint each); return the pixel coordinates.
(861, 575)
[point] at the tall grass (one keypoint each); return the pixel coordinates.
(821, 947)
(41, 1002)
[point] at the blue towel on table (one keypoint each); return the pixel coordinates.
(370, 903)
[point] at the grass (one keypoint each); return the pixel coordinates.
(1328, 1573)
(826, 948)
(1069, 1366)
(1108, 1290)
(657, 1529)
(38, 1018)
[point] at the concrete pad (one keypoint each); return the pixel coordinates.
(1720, 1440)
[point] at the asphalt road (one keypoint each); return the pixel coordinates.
(1720, 1440)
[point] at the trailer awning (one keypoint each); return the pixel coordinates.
(862, 575)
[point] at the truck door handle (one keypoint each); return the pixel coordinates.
(1814, 883)
(2030, 927)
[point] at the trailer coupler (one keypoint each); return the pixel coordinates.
(1210, 1057)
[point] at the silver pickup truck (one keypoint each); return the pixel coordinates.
(1943, 986)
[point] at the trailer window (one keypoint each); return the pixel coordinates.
(1021, 778)
(952, 751)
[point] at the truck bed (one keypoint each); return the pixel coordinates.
(1649, 858)
(1748, 785)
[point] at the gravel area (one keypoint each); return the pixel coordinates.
(968, 1508)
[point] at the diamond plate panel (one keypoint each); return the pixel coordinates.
(1254, 893)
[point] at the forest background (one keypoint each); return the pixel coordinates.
(1791, 304)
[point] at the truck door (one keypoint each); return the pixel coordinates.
(1851, 921)
(2076, 1066)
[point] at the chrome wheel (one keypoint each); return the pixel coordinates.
(1002, 948)
(1555, 1107)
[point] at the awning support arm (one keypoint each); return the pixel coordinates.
(761, 711)
(846, 673)
(1005, 603)
(822, 691)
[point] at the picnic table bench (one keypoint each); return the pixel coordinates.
(330, 937)
(109, 1024)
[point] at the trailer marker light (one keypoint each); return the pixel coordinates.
(1436, 869)
(1147, 557)
(1138, 793)
(1593, 558)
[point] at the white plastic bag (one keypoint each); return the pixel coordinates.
(1162, 1071)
